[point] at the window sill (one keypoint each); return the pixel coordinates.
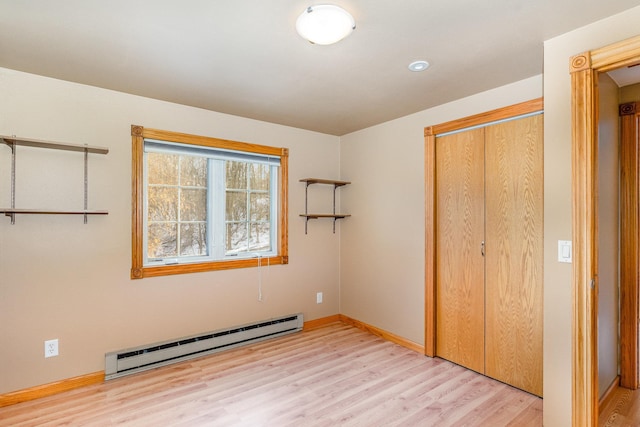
(167, 270)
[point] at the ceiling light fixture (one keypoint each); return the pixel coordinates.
(325, 24)
(418, 66)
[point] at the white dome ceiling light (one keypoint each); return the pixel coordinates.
(325, 24)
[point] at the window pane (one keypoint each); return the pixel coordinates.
(193, 171)
(162, 240)
(203, 205)
(236, 206)
(163, 203)
(193, 239)
(259, 177)
(259, 238)
(236, 173)
(259, 207)
(193, 205)
(162, 168)
(236, 238)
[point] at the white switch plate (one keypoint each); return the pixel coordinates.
(564, 251)
(319, 298)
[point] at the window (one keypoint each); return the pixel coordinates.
(204, 204)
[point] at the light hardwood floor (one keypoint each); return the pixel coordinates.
(621, 410)
(336, 375)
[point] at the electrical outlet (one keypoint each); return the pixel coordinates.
(51, 348)
(319, 298)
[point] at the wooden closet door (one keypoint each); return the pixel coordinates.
(514, 201)
(459, 261)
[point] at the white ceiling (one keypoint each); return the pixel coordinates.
(243, 57)
(626, 76)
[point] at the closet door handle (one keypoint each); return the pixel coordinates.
(482, 248)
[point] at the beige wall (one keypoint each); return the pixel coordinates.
(382, 247)
(608, 226)
(557, 277)
(62, 279)
(630, 93)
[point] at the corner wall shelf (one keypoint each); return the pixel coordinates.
(307, 216)
(12, 142)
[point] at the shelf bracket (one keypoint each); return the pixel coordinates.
(335, 187)
(86, 181)
(12, 145)
(306, 211)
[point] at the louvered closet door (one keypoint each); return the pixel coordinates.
(513, 262)
(459, 263)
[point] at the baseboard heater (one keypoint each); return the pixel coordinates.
(132, 360)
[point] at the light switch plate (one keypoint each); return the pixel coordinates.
(564, 251)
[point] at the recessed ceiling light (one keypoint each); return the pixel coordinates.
(325, 24)
(418, 65)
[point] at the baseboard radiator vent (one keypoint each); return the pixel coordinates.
(132, 360)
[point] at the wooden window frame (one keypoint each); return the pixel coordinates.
(138, 269)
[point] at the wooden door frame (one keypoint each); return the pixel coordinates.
(584, 69)
(629, 244)
(430, 134)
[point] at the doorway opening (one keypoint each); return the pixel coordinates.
(585, 69)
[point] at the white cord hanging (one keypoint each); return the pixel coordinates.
(259, 256)
(259, 277)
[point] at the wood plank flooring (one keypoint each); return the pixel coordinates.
(336, 375)
(621, 410)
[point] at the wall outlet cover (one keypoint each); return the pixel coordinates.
(51, 348)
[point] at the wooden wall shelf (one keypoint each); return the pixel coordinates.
(335, 216)
(13, 142)
(9, 211)
(310, 181)
(316, 216)
(38, 143)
